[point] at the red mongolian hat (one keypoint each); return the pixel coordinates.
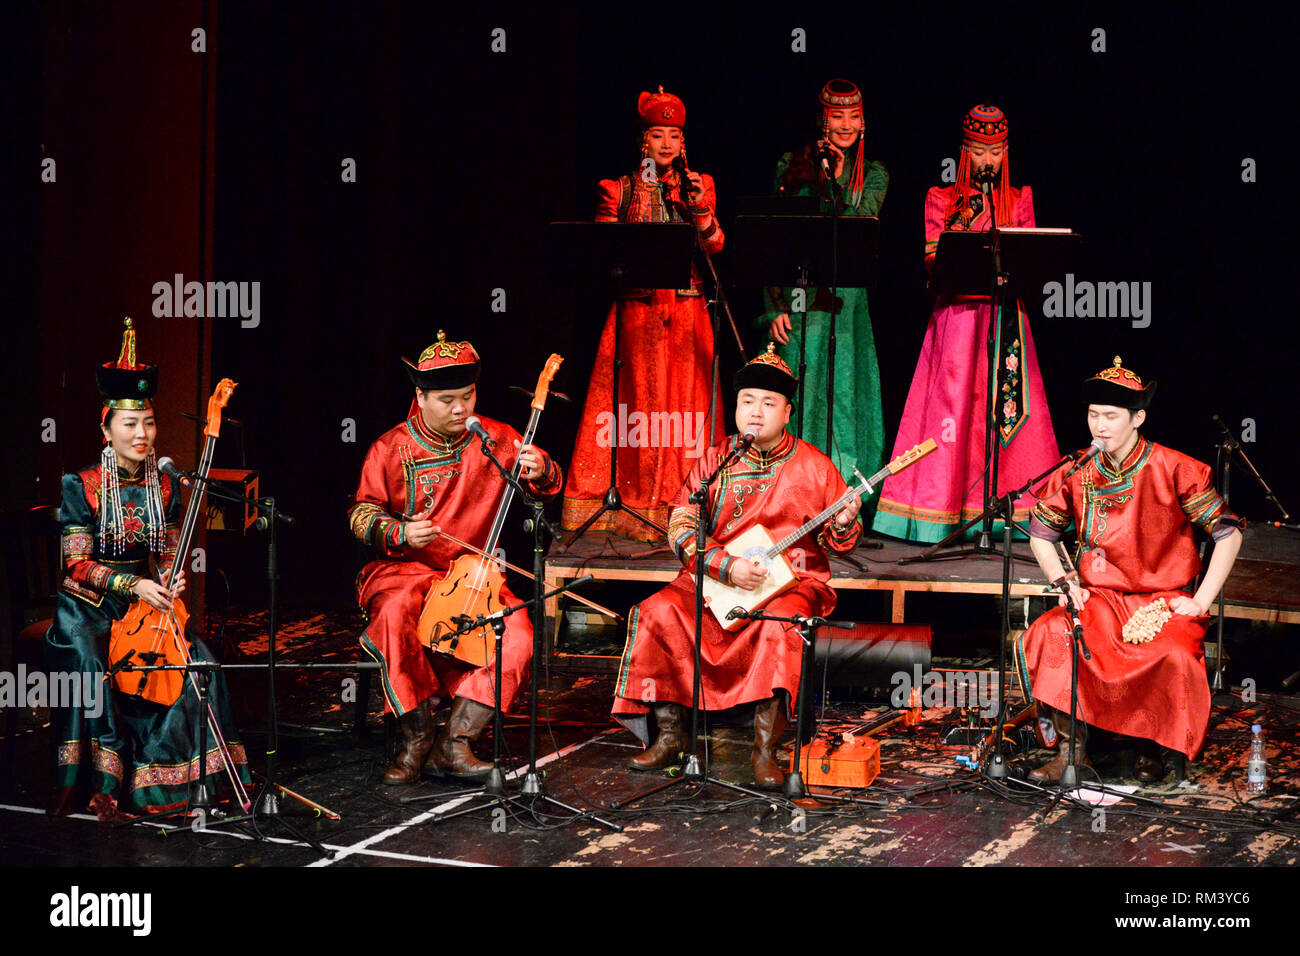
(840, 95)
(661, 109)
(768, 372)
(127, 383)
(1120, 387)
(444, 365)
(985, 124)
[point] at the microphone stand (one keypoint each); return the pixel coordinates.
(494, 787)
(1070, 775)
(1228, 446)
(531, 790)
(266, 804)
(836, 195)
(693, 772)
(200, 795)
(995, 768)
(794, 788)
(998, 283)
(718, 305)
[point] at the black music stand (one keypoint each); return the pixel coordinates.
(624, 255)
(774, 248)
(1004, 265)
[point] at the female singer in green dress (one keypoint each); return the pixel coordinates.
(859, 433)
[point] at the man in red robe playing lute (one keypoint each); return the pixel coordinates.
(780, 483)
(424, 477)
(1135, 505)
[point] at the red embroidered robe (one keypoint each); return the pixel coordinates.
(780, 489)
(666, 341)
(407, 471)
(1135, 545)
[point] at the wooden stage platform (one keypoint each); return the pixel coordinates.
(1264, 584)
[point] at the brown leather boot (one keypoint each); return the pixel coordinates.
(769, 725)
(452, 755)
(1148, 766)
(1050, 773)
(669, 743)
(417, 741)
(105, 807)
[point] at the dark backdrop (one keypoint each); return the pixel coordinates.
(463, 155)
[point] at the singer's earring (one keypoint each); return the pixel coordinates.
(645, 147)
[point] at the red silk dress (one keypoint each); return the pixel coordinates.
(1135, 545)
(406, 471)
(667, 352)
(779, 489)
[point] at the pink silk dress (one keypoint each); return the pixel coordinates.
(947, 402)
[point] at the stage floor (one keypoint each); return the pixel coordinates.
(1202, 822)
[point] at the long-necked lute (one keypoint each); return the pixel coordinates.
(150, 637)
(756, 545)
(473, 584)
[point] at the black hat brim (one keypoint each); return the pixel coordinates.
(767, 377)
(118, 384)
(447, 378)
(1098, 391)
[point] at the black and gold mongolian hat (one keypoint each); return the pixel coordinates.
(1120, 387)
(127, 383)
(768, 372)
(444, 365)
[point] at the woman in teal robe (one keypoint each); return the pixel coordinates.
(859, 433)
(127, 754)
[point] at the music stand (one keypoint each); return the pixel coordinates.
(777, 249)
(626, 255)
(1005, 266)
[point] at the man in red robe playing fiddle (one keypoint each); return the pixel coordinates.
(780, 483)
(1135, 505)
(424, 477)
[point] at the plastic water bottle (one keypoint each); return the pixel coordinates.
(1256, 769)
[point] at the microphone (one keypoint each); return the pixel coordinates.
(746, 440)
(476, 427)
(736, 612)
(683, 185)
(168, 467)
(1094, 449)
(824, 154)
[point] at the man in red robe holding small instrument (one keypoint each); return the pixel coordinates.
(1136, 505)
(423, 482)
(780, 483)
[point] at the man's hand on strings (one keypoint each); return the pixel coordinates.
(747, 575)
(532, 461)
(849, 512)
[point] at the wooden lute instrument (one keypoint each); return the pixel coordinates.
(472, 586)
(150, 637)
(756, 545)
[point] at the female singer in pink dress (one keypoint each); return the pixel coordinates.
(949, 394)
